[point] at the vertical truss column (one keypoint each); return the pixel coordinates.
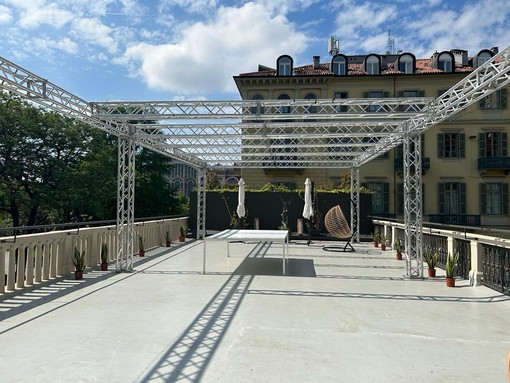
(125, 204)
(201, 197)
(413, 204)
(355, 203)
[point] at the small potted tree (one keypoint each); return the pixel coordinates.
(168, 240)
(398, 246)
(182, 235)
(451, 262)
(141, 246)
(79, 263)
(104, 257)
(431, 257)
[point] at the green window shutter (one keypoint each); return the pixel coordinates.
(386, 94)
(502, 98)
(400, 93)
(400, 198)
(482, 103)
(440, 188)
(440, 145)
(504, 198)
(483, 199)
(386, 197)
(421, 93)
(504, 144)
(462, 199)
(481, 145)
(462, 145)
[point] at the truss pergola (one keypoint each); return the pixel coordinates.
(339, 133)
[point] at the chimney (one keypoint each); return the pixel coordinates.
(316, 62)
(461, 56)
(495, 50)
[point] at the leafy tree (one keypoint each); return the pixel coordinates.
(37, 153)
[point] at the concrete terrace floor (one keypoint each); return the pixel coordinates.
(337, 317)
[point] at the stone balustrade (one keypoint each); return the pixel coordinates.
(33, 258)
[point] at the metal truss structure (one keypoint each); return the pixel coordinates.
(339, 133)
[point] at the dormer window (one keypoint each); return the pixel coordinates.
(483, 57)
(284, 65)
(407, 63)
(445, 62)
(372, 64)
(339, 65)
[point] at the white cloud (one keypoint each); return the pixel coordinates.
(209, 54)
(94, 32)
(66, 45)
(190, 5)
(5, 15)
(36, 13)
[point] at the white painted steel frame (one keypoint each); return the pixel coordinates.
(355, 208)
(125, 204)
(358, 130)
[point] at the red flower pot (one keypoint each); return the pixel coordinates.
(450, 282)
(78, 275)
(141, 253)
(432, 273)
(399, 256)
(168, 244)
(104, 266)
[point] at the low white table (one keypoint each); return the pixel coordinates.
(233, 235)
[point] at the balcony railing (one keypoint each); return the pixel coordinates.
(455, 219)
(399, 165)
(493, 163)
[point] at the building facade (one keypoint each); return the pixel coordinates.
(465, 159)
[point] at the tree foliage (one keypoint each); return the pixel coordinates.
(54, 169)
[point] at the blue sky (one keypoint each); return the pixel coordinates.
(190, 49)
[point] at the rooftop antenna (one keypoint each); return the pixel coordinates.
(333, 46)
(391, 43)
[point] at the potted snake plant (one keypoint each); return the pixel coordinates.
(451, 262)
(431, 257)
(104, 257)
(79, 263)
(168, 240)
(141, 246)
(398, 246)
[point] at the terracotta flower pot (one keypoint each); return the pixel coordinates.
(141, 253)
(399, 256)
(104, 266)
(432, 273)
(78, 275)
(376, 244)
(450, 282)
(383, 247)
(181, 238)
(168, 244)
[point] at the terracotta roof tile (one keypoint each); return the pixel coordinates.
(423, 66)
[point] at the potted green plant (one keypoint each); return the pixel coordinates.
(382, 241)
(430, 257)
(168, 240)
(182, 235)
(79, 263)
(398, 246)
(375, 236)
(451, 262)
(141, 246)
(104, 257)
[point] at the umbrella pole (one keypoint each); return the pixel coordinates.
(309, 232)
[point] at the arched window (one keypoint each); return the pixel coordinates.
(339, 65)
(407, 63)
(284, 109)
(483, 57)
(372, 64)
(257, 109)
(284, 65)
(311, 109)
(446, 62)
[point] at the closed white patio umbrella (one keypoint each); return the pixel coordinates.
(241, 211)
(308, 209)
